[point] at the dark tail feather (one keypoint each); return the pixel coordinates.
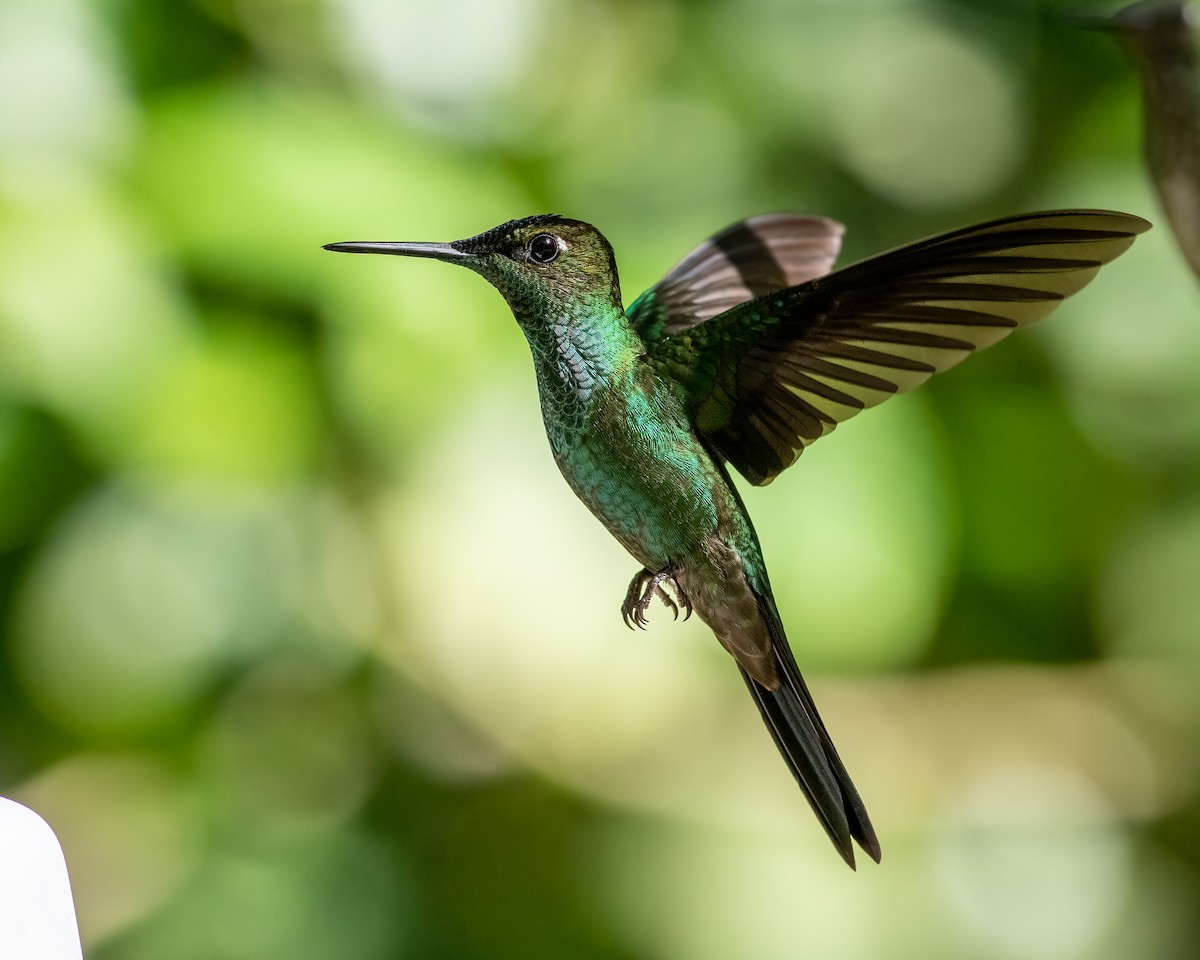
(796, 727)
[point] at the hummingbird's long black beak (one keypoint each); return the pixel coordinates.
(435, 251)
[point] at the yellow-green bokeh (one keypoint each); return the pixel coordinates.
(308, 652)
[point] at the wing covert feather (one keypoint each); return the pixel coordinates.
(769, 376)
(747, 259)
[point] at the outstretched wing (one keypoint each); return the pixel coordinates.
(750, 258)
(770, 376)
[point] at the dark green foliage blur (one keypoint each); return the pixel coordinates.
(309, 653)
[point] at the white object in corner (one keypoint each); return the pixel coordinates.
(37, 914)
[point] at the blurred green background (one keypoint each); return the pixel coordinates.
(308, 651)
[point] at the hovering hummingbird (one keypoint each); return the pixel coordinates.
(746, 352)
(1159, 37)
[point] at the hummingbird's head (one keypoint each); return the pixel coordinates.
(543, 265)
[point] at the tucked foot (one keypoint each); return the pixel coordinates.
(643, 589)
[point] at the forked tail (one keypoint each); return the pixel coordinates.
(800, 735)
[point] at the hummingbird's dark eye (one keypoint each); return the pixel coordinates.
(544, 248)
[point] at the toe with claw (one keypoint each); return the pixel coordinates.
(644, 587)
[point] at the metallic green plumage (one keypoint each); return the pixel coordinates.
(743, 354)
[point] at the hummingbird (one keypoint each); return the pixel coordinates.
(1159, 37)
(745, 353)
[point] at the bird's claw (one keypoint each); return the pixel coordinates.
(644, 587)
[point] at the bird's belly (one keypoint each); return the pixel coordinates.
(659, 497)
